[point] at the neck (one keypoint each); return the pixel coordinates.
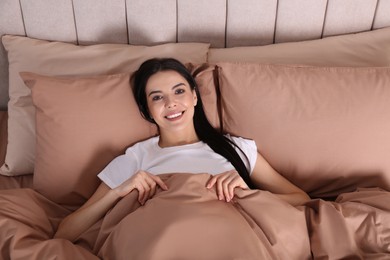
(175, 139)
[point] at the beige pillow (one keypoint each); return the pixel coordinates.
(206, 79)
(81, 125)
(64, 59)
(362, 49)
(324, 128)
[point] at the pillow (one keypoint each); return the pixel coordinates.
(326, 129)
(65, 59)
(81, 125)
(3, 135)
(362, 49)
(205, 77)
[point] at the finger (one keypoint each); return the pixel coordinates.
(136, 180)
(152, 185)
(140, 193)
(227, 183)
(160, 182)
(220, 188)
(153, 190)
(211, 182)
(146, 190)
(234, 183)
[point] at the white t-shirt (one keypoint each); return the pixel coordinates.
(191, 158)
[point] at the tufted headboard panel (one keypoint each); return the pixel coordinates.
(223, 23)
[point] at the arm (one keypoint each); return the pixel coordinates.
(104, 199)
(263, 177)
(266, 178)
(94, 209)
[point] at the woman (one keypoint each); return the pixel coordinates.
(167, 95)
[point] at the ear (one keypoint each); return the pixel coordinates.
(195, 98)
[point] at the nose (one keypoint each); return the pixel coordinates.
(170, 102)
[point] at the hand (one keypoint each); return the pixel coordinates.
(146, 184)
(225, 184)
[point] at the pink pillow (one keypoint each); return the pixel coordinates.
(325, 129)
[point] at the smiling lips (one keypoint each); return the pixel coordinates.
(174, 116)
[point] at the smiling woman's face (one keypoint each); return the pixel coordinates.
(171, 101)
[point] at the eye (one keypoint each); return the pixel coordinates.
(179, 91)
(156, 98)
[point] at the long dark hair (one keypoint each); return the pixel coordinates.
(205, 131)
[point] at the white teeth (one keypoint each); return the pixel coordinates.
(174, 115)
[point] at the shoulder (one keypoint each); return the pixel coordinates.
(242, 142)
(142, 145)
(248, 147)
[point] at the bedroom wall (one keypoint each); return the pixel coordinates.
(223, 23)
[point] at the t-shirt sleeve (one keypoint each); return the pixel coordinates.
(249, 147)
(119, 170)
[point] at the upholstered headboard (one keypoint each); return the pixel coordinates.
(223, 23)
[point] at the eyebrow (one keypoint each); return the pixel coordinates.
(159, 91)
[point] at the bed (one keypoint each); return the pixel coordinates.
(309, 81)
